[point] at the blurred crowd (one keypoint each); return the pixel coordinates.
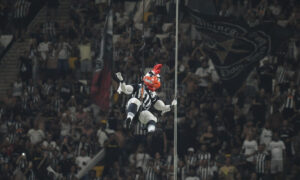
(50, 127)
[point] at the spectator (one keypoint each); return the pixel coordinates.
(266, 135)
(278, 150)
(21, 9)
(228, 171)
(102, 133)
(51, 62)
(249, 147)
(50, 28)
(65, 163)
(285, 133)
(43, 50)
(262, 162)
(191, 158)
(205, 170)
(36, 135)
(152, 172)
(17, 88)
(25, 67)
(85, 57)
(63, 50)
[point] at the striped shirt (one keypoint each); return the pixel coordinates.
(150, 173)
(261, 162)
(47, 89)
(169, 161)
(30, 175)
(36, 98)
(30, 89)
(49, 29)
(148, 97)
(57, 104)
(25, 100)
(204, 156)
(140, 129)
(191, 161)
(281, 75)
(21, 8)
(290, 99)
(181, 172)
(205, 172)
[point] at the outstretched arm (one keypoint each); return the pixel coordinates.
(160, 106)
(127, 89)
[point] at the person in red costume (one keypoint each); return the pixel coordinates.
(143, 98)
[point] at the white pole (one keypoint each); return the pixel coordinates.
(175, 107)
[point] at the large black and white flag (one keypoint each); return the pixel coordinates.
(234, 47)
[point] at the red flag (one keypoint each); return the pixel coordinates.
(100, 89)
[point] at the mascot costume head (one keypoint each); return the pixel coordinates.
(152, 78)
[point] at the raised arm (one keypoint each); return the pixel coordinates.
(127, 89)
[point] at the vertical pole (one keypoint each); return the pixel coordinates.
(175, 107)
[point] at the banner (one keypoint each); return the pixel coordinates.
(101, 82)
(203, 6)
(234, 47)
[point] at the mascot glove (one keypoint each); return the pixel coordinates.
(174, 102)
(119, 76)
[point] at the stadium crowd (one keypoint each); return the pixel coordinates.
(49, 121)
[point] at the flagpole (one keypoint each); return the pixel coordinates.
(175, 107)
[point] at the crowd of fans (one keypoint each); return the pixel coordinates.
(49, 121)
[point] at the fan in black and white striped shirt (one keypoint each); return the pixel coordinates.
(205, 171)
(152, 171)
(140, 129)
(288, 110)
(21, 9)
(204, 155)
(49, 29)
(261, 161)
(191, 159)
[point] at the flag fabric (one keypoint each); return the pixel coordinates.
(102, 78)
(203, 6)
(235, 48)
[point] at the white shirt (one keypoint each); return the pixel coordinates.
(36, 136)
(276, 148)
(140, 160)
(203, 73)
(52, 144)
(275, 9)
(63, 50)
(192, 178)
(82, 161)
(17, 89)
(102, 137)
(65, 129)
(250, 147)
(43, 48)
(266, 137)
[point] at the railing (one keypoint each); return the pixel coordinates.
(35, 7)
(5, 43)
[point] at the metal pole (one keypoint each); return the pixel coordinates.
(175, 107)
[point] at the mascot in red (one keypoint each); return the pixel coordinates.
(143, 98)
